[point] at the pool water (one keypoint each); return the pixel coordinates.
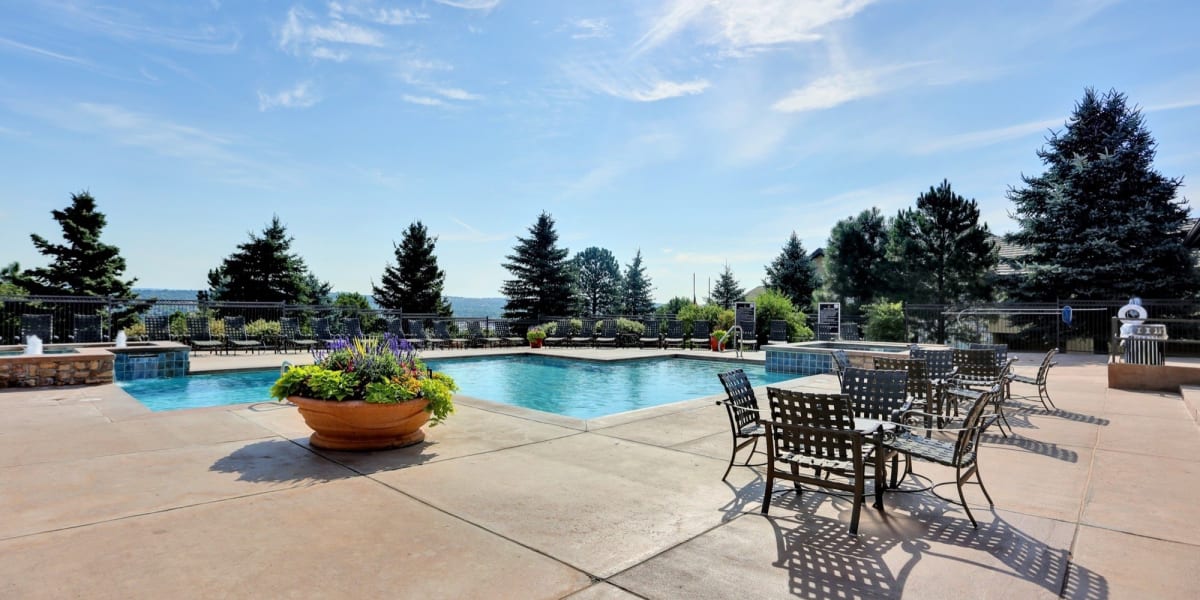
(574, 388)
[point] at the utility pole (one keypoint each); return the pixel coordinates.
(694, 288)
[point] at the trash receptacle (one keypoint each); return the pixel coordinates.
(1145, 345)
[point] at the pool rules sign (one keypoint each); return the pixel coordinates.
(829, 320)
(743, 316)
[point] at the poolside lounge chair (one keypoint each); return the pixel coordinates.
(650, 335)
(86, 329)
(321, 331)
(587, 334)
(505, 333)
(700, 334)
(562, 334)
(199, 337)
(608, 334)
(352, 328)
(476, 337)
(742, 407)
(491, 337)
(1039, 381)
(417, 336)
(674, 335)
(441, 331)
(395, 327)
(290, 337)
(40, 325)
(158, 328)
(817, 431)
(841, 362)
(235, 335)
(779, 333)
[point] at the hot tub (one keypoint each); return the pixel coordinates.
(814, 358)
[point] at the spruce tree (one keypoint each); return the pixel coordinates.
(792, 273)
(939, 251)
(597, 281)
(414, 284)
(264, 270)
(635, 297)
(542, 284)
(727, 291)
(83, 266)
(1100, 222)
(855, 259)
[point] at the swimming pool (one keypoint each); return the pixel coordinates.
(574, 388)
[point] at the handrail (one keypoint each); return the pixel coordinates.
(737, 346)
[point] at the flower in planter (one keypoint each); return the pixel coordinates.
(383, 370)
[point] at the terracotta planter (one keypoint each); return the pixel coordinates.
(358, 425)
(715, 345)
(535, 343)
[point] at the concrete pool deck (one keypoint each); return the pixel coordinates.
(103, 499)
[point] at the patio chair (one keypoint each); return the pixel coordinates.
(506, 335)
(1001, 350)
(744, 419)
(158, 328)
(86, 329)
(961, 453)
(562, 334)
(841, 362)
(778, 333)
(939, 363)
(587, 334)
(745, 338)
(1039, 381)
(475, 336)
(700, 334)
(290, 336)
(352, 328)
(441, 331)
(491, 337)
(40, 325)
(321, 330)
(922, 392)
(879, 395)
(608, 334)
(651, 334)
(978, 370)
(417, 337)
(199, 337)
(674, 335)
(816, 431)
(235, 335)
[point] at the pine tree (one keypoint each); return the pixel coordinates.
(727, 291)
(635, 298)
(792, 273)
(83, 266)
(855, 259)
(1101, 222)
(939, 251)
(597, 281)
(263, 270)
(542, 284)
(414, 284)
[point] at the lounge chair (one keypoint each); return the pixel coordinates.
(476, 336)
(86, 329)
(742, 407)
(1039, 381)
(979, 370)
(441, 331)
(40, 325)
(674, 335)
(650, 335)
(506, 335)
(158, 328)
(562, 334)
(199, 337)
(395, 328)
(290, 337)
(778, 333)
(841, 362)
(235, 335)
(417, 337)
(700, 334)
(491, 336)
(321, 331)
(939, 363)
(587, 334)
(608, 334)
(352, 328)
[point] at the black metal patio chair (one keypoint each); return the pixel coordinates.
(608, 334)
(158, 328)
(199, 336)
(417, 336)
(321, 330)
(650, 335)
(674, 336)
(505, 333)
(700, 333)
(235, 335)
(86, 329)
(778, 333)
(40, 325)
(561, 335)
(352, 328)
(741, 405)
(841, 362)
(290, 336)
(1043, 393)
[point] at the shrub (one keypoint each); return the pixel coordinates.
(535, 333)
(136, 330)
(885, 321)
(627, 327)
(774, 306)
(693, 312)
(260, 327)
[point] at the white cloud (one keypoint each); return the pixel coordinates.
(43, 52)
(469, 234)
(661, 90)
(484, 5)
(380, 15)
(300, 96)
(324, 53)
(746, 25)
(987, 137)
(828, 92)
(457, 94)
(422, 100)
(625, 83)
(589, 28)
(301, 33)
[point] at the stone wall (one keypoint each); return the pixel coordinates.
(51, 370)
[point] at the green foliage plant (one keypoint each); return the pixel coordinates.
(773, 305)
(885, 321)
(630, 327)
(856, 259)
(535, 333)
(259, 328)
(692, 313)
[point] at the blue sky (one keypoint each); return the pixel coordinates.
(701, 132)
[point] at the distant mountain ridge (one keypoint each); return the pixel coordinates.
(463, 306)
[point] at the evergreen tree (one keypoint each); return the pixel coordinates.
(855, 259)
(673, 306)
(263, 270)
(635, 298)
(415, 282)
(727, 291)
(1100, 222)
(792, 273)
(83, 266)
(597, 281)
(542, 284)
(939, 251)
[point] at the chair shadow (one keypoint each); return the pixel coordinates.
(824, 561)
(1046, 449)
(286, 461)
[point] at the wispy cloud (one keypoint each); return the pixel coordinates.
(457, 94)
(300, 96)
(484, 5)
(584, 29)
(468, 233)
(748, 25)
(208, 35)
(302, 33)
(828, 92)
(423, 100)
(987, 137)
(628, 84)
(42, 52)
(380, 15)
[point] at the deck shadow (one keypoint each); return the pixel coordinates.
(280, 461)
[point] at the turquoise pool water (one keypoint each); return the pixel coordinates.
(575, 388)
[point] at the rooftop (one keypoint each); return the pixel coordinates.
(105, 499)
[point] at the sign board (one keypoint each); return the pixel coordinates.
(743, 316)
(829, 321)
